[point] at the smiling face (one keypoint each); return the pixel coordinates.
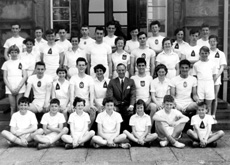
(141, 68)
(50, 37)
(15, 29)
(142, 39)
(23, 107)
(184, 69)
(180, 35)
(155, 29)
(109, 106)
(121, 71)
(168, 106)
(40, 69)
(38, 33)
(167, 45)
(99, 73)
(29, 45)
(99, 34)
(161, 73)
(74, 42)
(81, 65)
(111, 29)
(205, 32)
(204, 55)
(140, 109)
(120, 44)
(79, 106)
(201, 111)
(61, 74)
(134, 33)
(54, 108)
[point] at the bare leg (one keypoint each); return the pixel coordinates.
(193, 135)
(216, 136)
(150, 137)
(67, 139)
(161, 130)
(86, 137)
(215, 102)
(99, 141)
(130, 136)
(13, 103)
(178, 130)
(209, 106)
(122, 138)
(12, 138)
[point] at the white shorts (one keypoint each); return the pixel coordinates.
(25, 135)
(14, 82)
(205, 90)
(108, 135)
(181, 105)
(52, 137)
(38, 104)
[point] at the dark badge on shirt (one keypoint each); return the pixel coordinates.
(142, 83)
(57, 87)
(81, 85)
(50, 51)
(124, 57)
(143, 55)
(156, 42)
(202, 126)
(185, 84)
(176, 46)
(193, 54)
(217, 55)
(19, 66)
(39, 84)
(85, 43)
(105, 85)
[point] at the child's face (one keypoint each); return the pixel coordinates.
(79, 106)
(140, 109)
(180, 35)
(38, 33)
(23, 107)
(40, 69)
(29, 45)
(155, 29)
(14, 54)
(168, 106)
(134, 33)
(15, 29)
(205, 31)
(204, 55)
(109, 106)
(120, 44)
(194, 37)
(62, 33)
(74, 42)
(54, 108)
(141, 67)
(167, 45)
(111, 29)
(81, 66)
(61, 74)
(213, 43)
(50, 37)
(201, 111)
(161, 72)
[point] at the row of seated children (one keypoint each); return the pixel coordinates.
(169, 124)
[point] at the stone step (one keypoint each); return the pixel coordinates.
(222, 125)
(223, 114)
(222, 104)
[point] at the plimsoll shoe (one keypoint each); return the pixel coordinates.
(178, 145)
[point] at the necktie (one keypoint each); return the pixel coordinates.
(122, 84)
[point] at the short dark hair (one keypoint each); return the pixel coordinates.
(23, 99)
(168, 98)
(133, 28)
(50, 31)
(99, 66)
(155, 23)
(100, 28)
(61, 69)
(140, 102)
(213, 36)
(141, 33)
(38, 28)
(40, 63)
(205, 49)
(13, 48)
(54, 101)
(29, 39)
(81, 59)
(75, 36)
(107, 100)
(202, 104)
(85, 25)
(111, 23)
(140, 60)
(61, 27)
(161, 66)
(184, 62)
(166, 39)
(205, 25)
(78, 100)
(16, 23)
(118, 39)
(193, 31)
(178, 30)
(121, 64)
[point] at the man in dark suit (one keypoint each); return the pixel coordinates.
(123, 92)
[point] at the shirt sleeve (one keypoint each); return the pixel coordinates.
(61, 119)
(152, 87)
(193, 120)
(33, 119)
(148, 122)
(6, 45)
(99, 120)
(44, 120)
(119, 118)
(70, 118)
(4, 67)
(87, 119)
(13, 121)
(194, 82)
(131, 121)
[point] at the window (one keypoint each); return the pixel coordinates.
(157, 10)
(61, 14)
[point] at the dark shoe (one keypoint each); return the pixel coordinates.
(32, 144)
(148, 144)
(195, 144)
(68, 146)
(213, 144)
(42, 146)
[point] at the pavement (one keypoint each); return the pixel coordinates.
(155, 155)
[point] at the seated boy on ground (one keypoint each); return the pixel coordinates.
(140, 123)
(79, 126)
(202, 126)
(108, 125)
(52, 123)
(169, 123)
(23, 125)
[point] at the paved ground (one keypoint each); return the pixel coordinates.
(135, 155)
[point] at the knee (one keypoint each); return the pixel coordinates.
(92, 133)
(65, 130)
(36, 137)
(221, 133)
(189, 132)
(4, 132)
(125, 132)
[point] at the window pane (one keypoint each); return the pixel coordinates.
(156, 2)
(156, 13)
(119, 5)
(96, 5)
(96, 19)
(121, 17)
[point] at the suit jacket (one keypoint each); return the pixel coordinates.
(125, 97)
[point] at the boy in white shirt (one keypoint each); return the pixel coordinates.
(52, 123)
(133, 43)
(39, 41)
(85, 40)
(205, 31)
(205, 71)
(140, 123)
(155, 41)
(219, 59)
(202, 128)
(63, 42)
(23, 125)
(108, 125)
(169, 123)
(79, 126)
(110, 38)
(16, 39)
